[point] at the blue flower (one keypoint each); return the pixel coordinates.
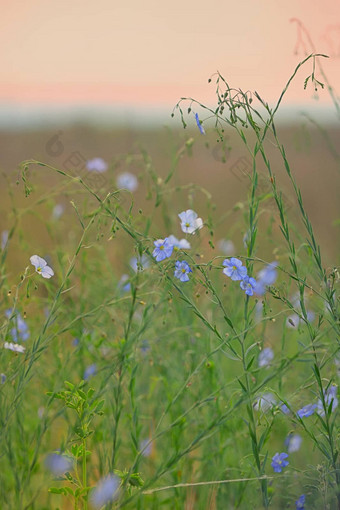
(300, 502)
(182, 270)
(190, 222)
(265, 357)
(330, 398)
(163, 249)
(145, 347)
(96, 165)
(124, 285)
(306, 411)
(234, 269)
(199, 125)
(41, 266)
(4, 239)
(265, 277)
(128, 181)
(106, 491)
(279, 462)
(293, 442)
(248, 284)
(58, 464)
(20, 330)
(90, 371)
(145, 447)
(284, 408)
(2, 378)
(75, 342)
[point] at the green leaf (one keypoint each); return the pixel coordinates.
(99, 406)
(55, 490)
(136, 480)
(82, 394)
(90, 393)
(250, 363)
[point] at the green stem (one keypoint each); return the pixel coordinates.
(84, 473)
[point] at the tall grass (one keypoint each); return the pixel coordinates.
(158, 387)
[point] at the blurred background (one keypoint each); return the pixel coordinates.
(102, 79)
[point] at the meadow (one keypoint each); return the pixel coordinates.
(170, 327)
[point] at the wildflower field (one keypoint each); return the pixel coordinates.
(169, 318)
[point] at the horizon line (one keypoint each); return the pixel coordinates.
(32, 116)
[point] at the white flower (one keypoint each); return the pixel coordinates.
(190, 221)
(127, 181)
(182, 244)
(41, 266)
(14, 347)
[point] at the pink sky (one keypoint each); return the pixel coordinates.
(152, 51)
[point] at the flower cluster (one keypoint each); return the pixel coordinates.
(238, 272)
(331, 401)
(190, 223)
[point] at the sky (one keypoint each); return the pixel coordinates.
(152, 52)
